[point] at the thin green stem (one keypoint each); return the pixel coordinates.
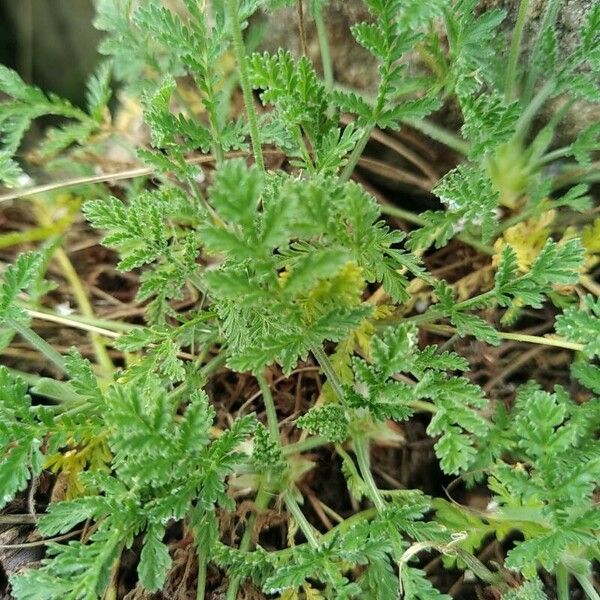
(515, 51)
(548, 20)
(307, 444)
(524, 215)
(552, 156)
(290, 501)
(216, 134)
(562, 582)
(201, 585)
(515, 337)
(589, 174)
(324, 47)
(343, 527)
(306, 528)
(361, 449)
(85, 306)
(38, 343)
(588, 586)
(329, 371)
(423, 406)
(524, 122)
(466, 304)
(240, 53)
(439, 134)
(433, 130)
(356, 154)
(213, 364)
(260, 503)
(269, 407)
(395, 211)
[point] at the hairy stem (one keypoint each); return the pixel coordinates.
(395, 211)
(361, 449)
(329, 371)
(533, 72)
(588, 586)
(552, 156)
(201, 585)
(240, 54)
(38, 343)
(85, 306)
(515, 51)
(356, 153)
(562, 582)
(324, 47)
(524, 122)
(260, 503)
(269, 407)
(516, 337)
(296, 512)
(307, 444)
(439, 134)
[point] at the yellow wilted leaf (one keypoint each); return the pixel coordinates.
(527, 239)
(289, 594)
(92, 452)
(346, 287)
(311, 594)
(590, 237)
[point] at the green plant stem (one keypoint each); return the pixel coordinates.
(552, 156)
(269, 407)
(85, 306)
(524, 215)
(515, 337)
(213, 364)
(562, 582)
(361, 449)
(201, 585)
(216, 134)
(261, 502)
(547, 22)
(329, 371)
(423, 406)
(344, 526)
(38, 343)
(116, 326)
(324, 47)
(515, 51)
(395, 211)
(240, 54)
(356, 153)
(306, 528)
(589, 174)
(527, 116)
(307, 444)
(289, 499)
(439, 134)
(335, 383)
(430, 129)
(588, 586)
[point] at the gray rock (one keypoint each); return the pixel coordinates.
(355, 67)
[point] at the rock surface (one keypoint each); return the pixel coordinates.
(355, 67)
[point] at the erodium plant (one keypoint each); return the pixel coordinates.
(280, 261)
